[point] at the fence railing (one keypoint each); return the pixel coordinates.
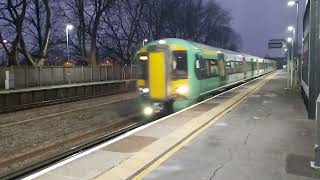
(25, 77)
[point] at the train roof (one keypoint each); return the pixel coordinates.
(191, 44)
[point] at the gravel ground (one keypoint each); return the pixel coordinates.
(21, 139)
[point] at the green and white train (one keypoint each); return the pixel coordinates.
(175, 73)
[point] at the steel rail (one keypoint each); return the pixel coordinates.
(52, 102)
(64, 112)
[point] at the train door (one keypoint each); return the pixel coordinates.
(244, 67)
(252, 67)
(158, 76)
(222, 68)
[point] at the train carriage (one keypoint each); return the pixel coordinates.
(175, 73)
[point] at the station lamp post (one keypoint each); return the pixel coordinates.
(292, 3)
(144, 41)
(296, 3)
(293, 40)
(289, 61)
(294, 53)
(4, 52)
(69, 27)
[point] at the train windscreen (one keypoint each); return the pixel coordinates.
(143, 66)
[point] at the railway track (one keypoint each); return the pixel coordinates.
(67, 141)
(93, 138)
(61, 113)
(20, 117)
(121, 128)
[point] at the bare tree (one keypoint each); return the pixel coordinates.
(38, 28)
(218, 29)
(122, 27)
(88, 15)
(12, 16)
(29, 19)
(81, 33)
(129, 22)
(201, 21)
(107, 27)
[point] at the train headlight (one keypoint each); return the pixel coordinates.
(144, 90)
(183, 90)
(148, 111)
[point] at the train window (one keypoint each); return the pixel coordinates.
(206, 68)
(228, 67)
(179, 65)
(143, 69)
(201, 69)
(238, 67)
(231, 67)
(197, 64)
(255, 65)
(213, 68)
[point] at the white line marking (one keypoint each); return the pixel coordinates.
(82, 154)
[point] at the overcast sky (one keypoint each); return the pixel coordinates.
(257, 21)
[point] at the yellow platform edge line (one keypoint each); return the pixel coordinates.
(179, 146)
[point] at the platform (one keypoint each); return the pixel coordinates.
(16, 98)
(256, 131)
(62, 86)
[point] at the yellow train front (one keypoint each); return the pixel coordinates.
(174, 73)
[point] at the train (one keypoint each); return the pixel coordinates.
(175, 73)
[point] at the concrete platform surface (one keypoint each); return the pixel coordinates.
(266, 137)
(242, 134)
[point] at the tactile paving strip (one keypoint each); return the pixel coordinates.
(130, 144)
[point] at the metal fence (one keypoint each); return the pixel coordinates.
(25, 77)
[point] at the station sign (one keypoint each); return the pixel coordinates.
(275, 45)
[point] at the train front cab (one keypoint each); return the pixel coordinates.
(163, 77)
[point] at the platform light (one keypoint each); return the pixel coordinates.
(285, 49)
(148, 111)
(4, 41)
(219, 52)
(162, 42)
(291, 28)
(291, 3)
(144, 41)
(69, 27)
(289, 39)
